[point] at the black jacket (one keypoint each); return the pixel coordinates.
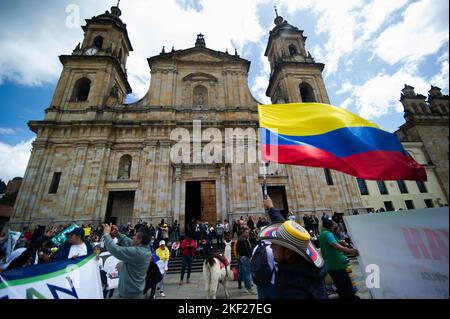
(243, 247)
(300, 281)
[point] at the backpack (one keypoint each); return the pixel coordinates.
(259, 266)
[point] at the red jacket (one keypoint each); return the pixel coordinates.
(186, 250)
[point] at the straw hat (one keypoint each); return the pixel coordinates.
(293, 236)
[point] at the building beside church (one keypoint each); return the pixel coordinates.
(97, 159)
(424, 135)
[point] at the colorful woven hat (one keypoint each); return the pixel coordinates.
(294, 237)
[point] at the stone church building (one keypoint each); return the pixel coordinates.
(98, 159)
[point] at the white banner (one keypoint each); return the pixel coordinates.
(110, 265)
(403, 254)
(69, 279)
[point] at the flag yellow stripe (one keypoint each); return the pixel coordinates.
(302, 119)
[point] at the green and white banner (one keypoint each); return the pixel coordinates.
(403, 254)
(69, 279)
(61, 237)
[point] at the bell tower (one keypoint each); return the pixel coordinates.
(94, 75)
(294, 76)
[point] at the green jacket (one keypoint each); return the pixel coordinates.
(136, 260)
(334, 258)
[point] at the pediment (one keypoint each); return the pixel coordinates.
(199, 57)
(199, 76)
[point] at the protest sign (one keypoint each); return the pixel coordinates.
(68, 279)
(403, 254)
(110, 263)
(61, 237)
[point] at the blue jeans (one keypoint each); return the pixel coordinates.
(245, 261)
(266, 291)
(187, 262)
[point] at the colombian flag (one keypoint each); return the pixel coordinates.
(322, 135)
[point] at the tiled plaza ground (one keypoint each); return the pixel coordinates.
(196, 288)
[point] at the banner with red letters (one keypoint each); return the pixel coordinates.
(403, 254)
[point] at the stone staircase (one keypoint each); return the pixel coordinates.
(175, 263)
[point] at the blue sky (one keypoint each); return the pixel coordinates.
(371, 48)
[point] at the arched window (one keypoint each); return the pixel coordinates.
(200, 96)
(124, 167)
(98, 41)
(306, 93)
(81, 90)
(292, 49)
(120, 54)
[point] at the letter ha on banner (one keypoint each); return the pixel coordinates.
(403, 254)
(69, 279)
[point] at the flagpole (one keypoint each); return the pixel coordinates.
(265, 180)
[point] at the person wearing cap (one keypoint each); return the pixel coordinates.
(161, 258)
(336, 260)
(301, 269)
(135, 256)
(75, 246)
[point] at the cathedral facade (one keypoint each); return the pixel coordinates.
(97, 159)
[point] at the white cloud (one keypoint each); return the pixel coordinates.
(441, 79)
(349, 101)
(348, 25)
(422, 32)
(30, 51)
(345, 88)
(14, 159)
(6, 131)
(380, 95)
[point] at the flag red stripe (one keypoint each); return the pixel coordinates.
(373, 165)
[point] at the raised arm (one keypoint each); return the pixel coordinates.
(274, 213)
(126, 254)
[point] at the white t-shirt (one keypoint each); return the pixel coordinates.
(81, 250)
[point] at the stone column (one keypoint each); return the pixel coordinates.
(223, 193)
(163, 188)
(176, 208)
(146, 174)
(78, 163)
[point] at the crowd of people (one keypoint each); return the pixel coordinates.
(278, 265)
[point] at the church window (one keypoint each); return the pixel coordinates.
(362, 186)
(98, 41)
(120, 54)
(421, 186)
(306, 93)
(81, 90)
(292, 49)
(55, 183)
(402, 187)
(328, 176)
(382, 187)
(124, 167)
(200, 96)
